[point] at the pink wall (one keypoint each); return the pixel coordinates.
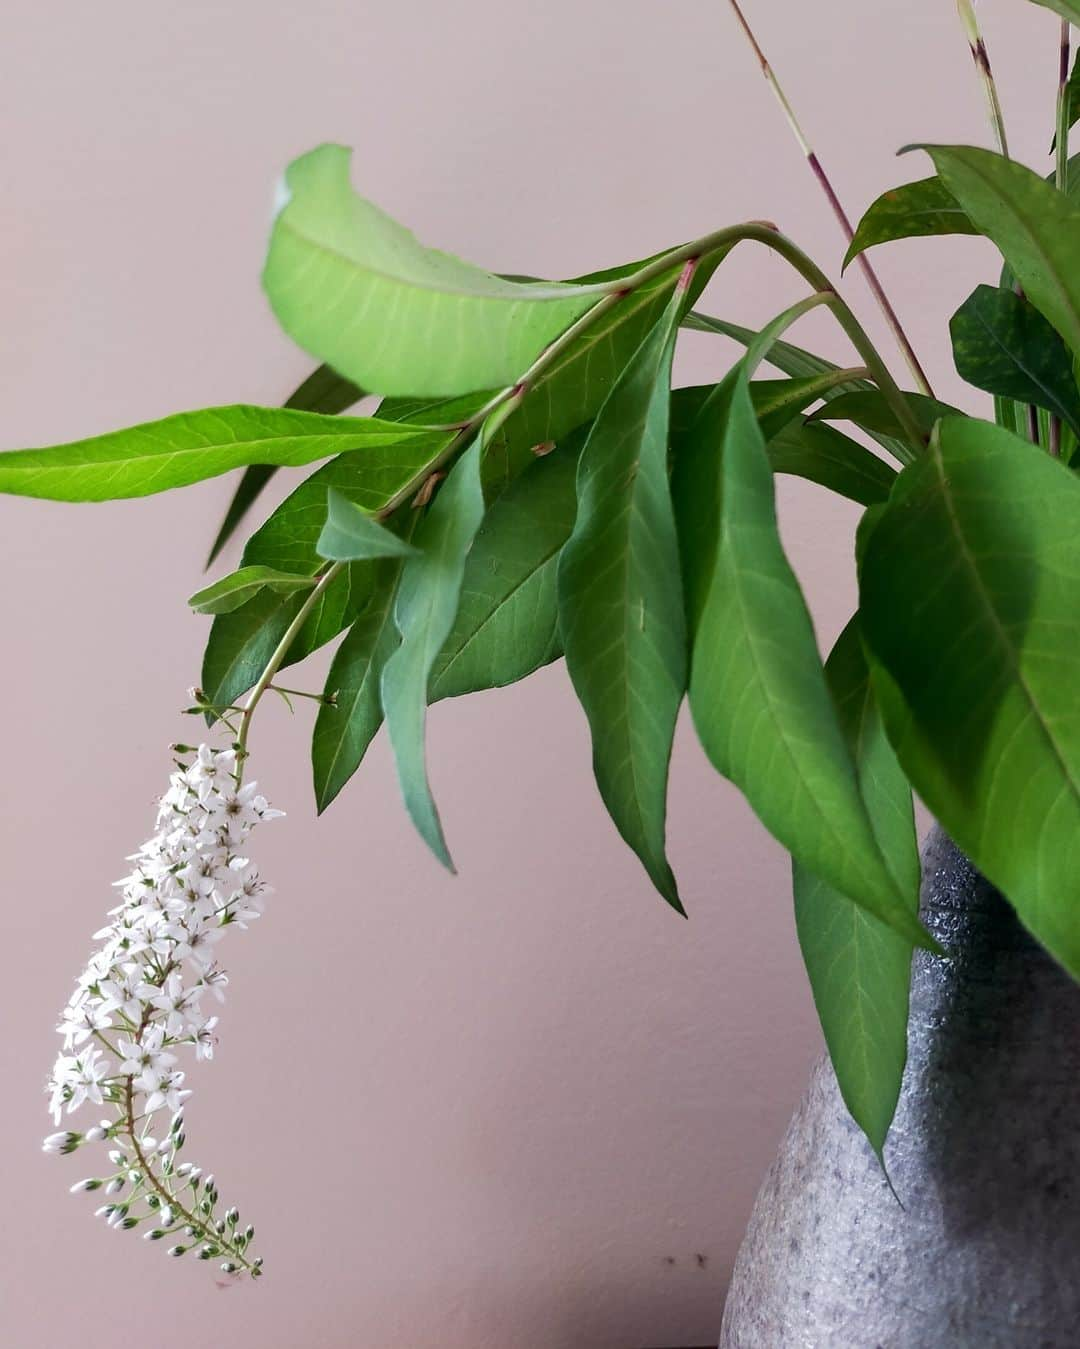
(526, 1108)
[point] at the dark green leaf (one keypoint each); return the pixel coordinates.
(913, 211)
(191, 446)
(870, 410)
(1002, 344)
(231, 591)
(798, 363)
(507, 622)
(345, 728)
(859, 969)
(357, 290)
(620, 600)
(968, 604)
(427, 600)
(1036, 227)
(808, 450)
(758, 693)
(323, 391)
(352, 534)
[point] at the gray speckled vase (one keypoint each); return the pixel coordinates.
(984, 1154)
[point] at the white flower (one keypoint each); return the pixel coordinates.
(146, 1053)
(138, 1000)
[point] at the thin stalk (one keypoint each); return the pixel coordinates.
(979, 54)
(871, 276)
(280, 652)
(1061, 167)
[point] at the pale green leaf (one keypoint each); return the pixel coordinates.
(191, 446)
(231, 591)
(352, 534)
(357, 290)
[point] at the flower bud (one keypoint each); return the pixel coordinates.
(63, 1142)
(90, 1184)
(177, 1250)
(155, 1234)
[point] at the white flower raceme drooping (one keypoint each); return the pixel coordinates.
(138, 1008)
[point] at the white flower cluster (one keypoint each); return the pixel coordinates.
(144, 995)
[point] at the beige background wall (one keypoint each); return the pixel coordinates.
(527, 1108)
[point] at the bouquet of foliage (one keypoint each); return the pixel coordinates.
(530, 487)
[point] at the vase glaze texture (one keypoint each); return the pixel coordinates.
(984, 1154)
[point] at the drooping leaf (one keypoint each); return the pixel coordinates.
(357, 290)
(916, 210)
(859, 969)
(758, 695)
(798, 363)
(352, 534)
(506, 625)
(1001, 343)
(620, 600)
(323, 391)
(968, 603)
(507, 622)
(1035, 227)
(871, 411)
(427, 600)
(808, 450)
(231, 591)
(345, 728)
(241, 642)
(190, 446)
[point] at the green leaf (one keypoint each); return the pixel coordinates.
(507, 623)
(323, 391)
(870, 410)
(968, 603)
(231, 591)
(913, 211)
(860, 970)
(345, 728)
(1002, 344)
(758, 694)
(1068, 9)
(241, 642)
(424, 610)
(808, 450)
(357, 290)
(821, 454)
(1035, 227)
(798, 363)
(191, 446)
(620, 600)
(351, 534)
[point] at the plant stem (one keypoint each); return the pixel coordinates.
(280, 652)
(876, 288)
(981, 57)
